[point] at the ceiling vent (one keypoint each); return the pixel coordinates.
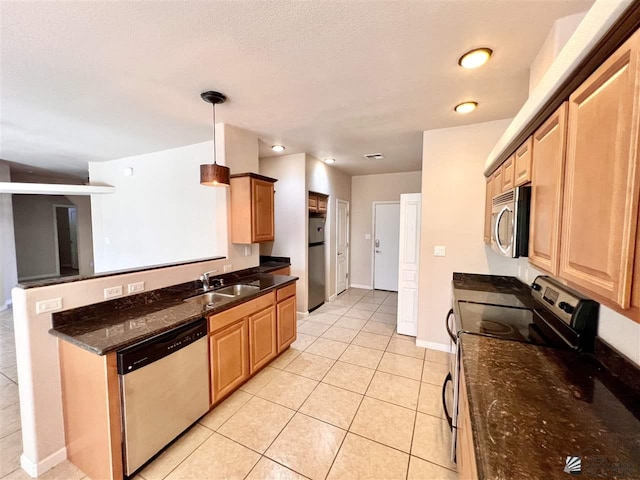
(374, 156)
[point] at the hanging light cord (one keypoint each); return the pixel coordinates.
(214, 133)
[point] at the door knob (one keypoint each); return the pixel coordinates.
(377, 251)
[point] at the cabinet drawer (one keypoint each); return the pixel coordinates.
(286, 292)
(221, 320)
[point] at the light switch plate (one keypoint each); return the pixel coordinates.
(48, 305)
(112, 292)
(439, 251)
(135, 287)
(367, 236)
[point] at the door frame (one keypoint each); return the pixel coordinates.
(55, 233)
(348, 249)
(373, 236)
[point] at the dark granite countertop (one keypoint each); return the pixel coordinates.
(107, 326)
(533, 406)
(45, 282)
(492, 289)
(270, 264)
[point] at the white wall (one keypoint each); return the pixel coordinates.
(365, 189)
(35, 235)
(85, 235)
(161, 214)
(323, 178)
(8, 270)
(37, 351)
(290, 217)
(453, 198)
(558, 36)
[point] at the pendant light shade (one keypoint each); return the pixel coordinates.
(212, 174)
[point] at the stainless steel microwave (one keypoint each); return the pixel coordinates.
(510, 222)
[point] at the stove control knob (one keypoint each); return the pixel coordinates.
(536, 287)
(565, 307)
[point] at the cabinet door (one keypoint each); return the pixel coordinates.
(487, 210)
(508, 170)
(322, 204)
(549, 143)
(262, 338)
(497, 181)
(229, 359)
(523, 161)
(601, 178)
(313, 203)
(262, 210)
(287, 323)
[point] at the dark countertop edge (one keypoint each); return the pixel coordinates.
(77, 278)
(206, 312)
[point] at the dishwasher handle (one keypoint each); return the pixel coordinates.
(444, 400)
(449, 315)
(159, 346)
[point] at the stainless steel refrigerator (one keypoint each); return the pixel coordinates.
(316, 262)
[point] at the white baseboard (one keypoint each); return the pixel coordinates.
(333, 297)
(36, 469)
(302, 315)
(363, 287)
(433, 346)
(6, 306)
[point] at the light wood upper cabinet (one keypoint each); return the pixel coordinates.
(318, 202)
(262, 338)
(229, 353)
(497, 181)
(487, 210)
(523, 159)
(600, 206)
(252, 208)
(508, 171)
(546, 191)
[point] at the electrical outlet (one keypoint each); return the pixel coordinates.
(247, 250)
(439, 251)
(112, 292)
(227, 268)
(49, 305)
(135, 287)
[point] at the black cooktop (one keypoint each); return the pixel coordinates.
(505, 322)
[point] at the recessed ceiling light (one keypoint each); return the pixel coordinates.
(277, 148)
(374, 156)
(475, 58)
(329, 160)
(466, 107)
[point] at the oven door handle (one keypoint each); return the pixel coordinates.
(496, 228)
(444, 400)
(449, 331)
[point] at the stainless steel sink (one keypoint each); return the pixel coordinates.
(209, 298)
(223, 295)
(237, 290)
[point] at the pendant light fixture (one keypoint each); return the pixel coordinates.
(212, 174)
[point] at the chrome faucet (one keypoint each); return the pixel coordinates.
(204, 278)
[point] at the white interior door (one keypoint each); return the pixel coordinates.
(342, 239)
(409, 263)
(386, 246)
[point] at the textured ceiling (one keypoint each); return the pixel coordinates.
(95, 81)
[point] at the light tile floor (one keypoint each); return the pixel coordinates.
(350, 399)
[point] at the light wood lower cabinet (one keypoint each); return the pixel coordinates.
(263, 344)
(229, 359)
(287, 323)
(244, 339)
(546, 191)
(465, 453)
(602, 178)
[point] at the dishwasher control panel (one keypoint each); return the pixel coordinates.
(148, 351)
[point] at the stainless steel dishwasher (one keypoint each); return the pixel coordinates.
(164, 388)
